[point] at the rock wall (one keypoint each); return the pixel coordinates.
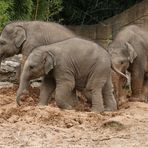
(8, 69)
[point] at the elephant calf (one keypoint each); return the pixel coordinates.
(129, 52)
(74, 64)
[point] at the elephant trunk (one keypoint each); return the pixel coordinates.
(119, 91)
(24, 84)
(119, 72)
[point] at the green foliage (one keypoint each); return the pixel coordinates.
(22, 9)
(55, 7)
(4, 13)
(74, 12)
(47, 10)
(40, 9)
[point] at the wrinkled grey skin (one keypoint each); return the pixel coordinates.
(74, 64)
(129, 52)
(23, 37)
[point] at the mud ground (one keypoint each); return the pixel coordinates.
(31, 126)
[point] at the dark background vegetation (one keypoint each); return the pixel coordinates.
(69, 12)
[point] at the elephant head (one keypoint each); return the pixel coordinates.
(122, 56)
(38, 64)
(24, 36)
(11, 40)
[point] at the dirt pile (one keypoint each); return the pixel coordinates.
(48, 127)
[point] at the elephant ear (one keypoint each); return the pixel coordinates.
(132, 52)
(50, 62)
(20, 37)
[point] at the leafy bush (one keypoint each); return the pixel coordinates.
(55, 8)
(40, 8)
(73, 12)
(4, 13)
(47, 10)
(22, 9)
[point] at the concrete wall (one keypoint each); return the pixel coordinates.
(105, 31)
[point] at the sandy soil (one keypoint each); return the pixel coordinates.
(30, 126)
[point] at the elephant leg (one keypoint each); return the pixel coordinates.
(74, 98)
(109, 100)
(118, 83)
(94, 88)
(95, 98)
(65, 95)
(46, 89)
(93, 92)
(97, 101)
(137, 81)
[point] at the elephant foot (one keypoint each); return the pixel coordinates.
(63, 105)
(97, 110)
(43, 101)
(42, 104)
(68, 107)
(110, 105)
(73, 103)
(110, 109)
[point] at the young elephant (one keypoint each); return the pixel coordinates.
(22, 37)
(69, 65)
(129, 51)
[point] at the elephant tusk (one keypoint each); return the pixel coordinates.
(119, 72)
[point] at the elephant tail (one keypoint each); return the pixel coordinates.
(119, 72)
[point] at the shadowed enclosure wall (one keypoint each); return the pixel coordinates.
(104, 32)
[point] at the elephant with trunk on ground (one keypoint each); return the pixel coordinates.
(74, 64)
(129, 52)
(23, 37)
